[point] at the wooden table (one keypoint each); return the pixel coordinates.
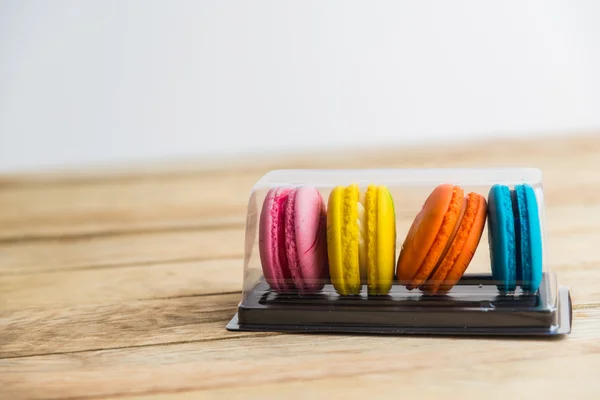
(119, 283)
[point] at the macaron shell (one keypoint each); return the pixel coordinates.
(501, 237)
(452, 250)
(386, 234)
(362, 239)
(271, 243)
(350, 240)
(531, 239)
(290, 241)
(381, 241)
(342, 240)
(334, 238)
(465, 244)
(372, 206)
(310, 240)
(423, 232)
(441, 239)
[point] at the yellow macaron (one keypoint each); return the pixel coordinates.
(361, 239)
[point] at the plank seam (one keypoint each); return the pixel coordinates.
(68, 237)
(92, 267)
(237, 336)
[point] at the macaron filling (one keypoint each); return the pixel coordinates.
(362, 239)
(289, 243)
(373, 261)
(506, 273)
(515, 199)
(278, 233)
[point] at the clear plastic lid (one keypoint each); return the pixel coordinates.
(399, 250)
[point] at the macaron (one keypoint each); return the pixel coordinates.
(361, 239)
(515, 239)
(442, 240)
(292, 240)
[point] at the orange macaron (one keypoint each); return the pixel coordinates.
(442, 240)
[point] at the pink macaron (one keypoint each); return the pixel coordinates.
(292, 240)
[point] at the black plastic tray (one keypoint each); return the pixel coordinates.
(473, 307)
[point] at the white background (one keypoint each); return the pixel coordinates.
(101, 81)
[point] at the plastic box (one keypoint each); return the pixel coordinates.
(475, 304)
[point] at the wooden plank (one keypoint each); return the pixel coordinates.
(57, 300)
(573, 250)
(23, 219)
(172, 246)
(468, 152)
(490, 379)
(567, 250)
(195, 200)
(105, 286)
(563, 222)
(237, 364)
(108, 208)
(75, 290)
(121, 250)
(116, 325)
(145, 266)
(75, 315)
(48, 298)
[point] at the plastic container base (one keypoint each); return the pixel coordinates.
(473, 307)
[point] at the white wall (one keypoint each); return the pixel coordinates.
(97, 81)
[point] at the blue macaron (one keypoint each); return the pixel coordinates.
(515, 239)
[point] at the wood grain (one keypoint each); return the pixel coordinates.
(492, 380)
(239, 363)
(164, 280)
(108, 323)
(116, 325)
(80, 273)
(113, 285)
(207, 199)
(525, 151)
(121, 250)
(564, 223)
(119, 283)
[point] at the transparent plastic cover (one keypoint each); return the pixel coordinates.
(392, 239)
